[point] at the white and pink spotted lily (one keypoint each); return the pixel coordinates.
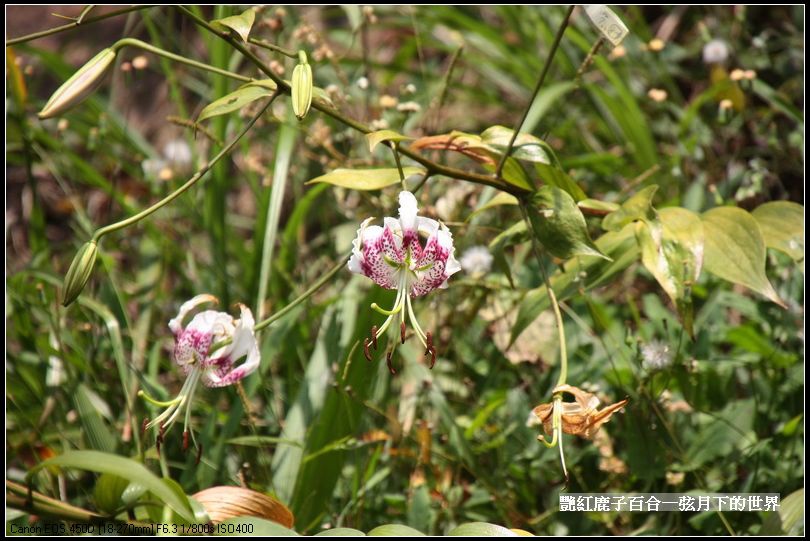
(192, 352)
(394, 257)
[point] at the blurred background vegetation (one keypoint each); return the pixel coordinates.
(337, 439)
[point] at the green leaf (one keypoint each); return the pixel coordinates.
(261, 441)
(596, 205)
(791, 511)
(481, 529)
(366, 179)
(237, 99)
(638, 207)
(108, 491)
(391, 530)
(253, 526)
(125, 468)
(671, 265)
(501, 198)
(340, 532)
(559, 225)
(377, 137)
(99, 436)
(735, 250)
(782, 226)
(685, 227)
(526, 147)
(555, 176)
(579, 274)
(241, 24)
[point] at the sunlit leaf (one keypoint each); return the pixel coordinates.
(238, 98)
(638, 207)
(377, 137)
(735, 250)
(366, 179)
(782, 226)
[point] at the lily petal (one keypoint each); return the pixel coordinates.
(220, 371)
(176, 324)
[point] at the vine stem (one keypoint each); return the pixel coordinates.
(81, 21)
(189, 183)
(546, 67)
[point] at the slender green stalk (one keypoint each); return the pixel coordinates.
(549, 58)
(301, 298)
(445, 85)
(70, 26)
(132, 42)
(189, 183)
(273, 47)
(395, 149)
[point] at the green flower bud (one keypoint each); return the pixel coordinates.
(79, 272)
(79, 86)
(301, 87)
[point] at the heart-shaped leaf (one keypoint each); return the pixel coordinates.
(782, 226)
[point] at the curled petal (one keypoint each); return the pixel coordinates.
(380, 257)
(176, 324)
(356, 261)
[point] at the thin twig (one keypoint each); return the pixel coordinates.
(71, 26)
(549, 58)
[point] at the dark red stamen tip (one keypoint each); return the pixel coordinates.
(144, 424)
(402, 332)
(185, 441)
(366, 352)
(432, 356)
(374, 336)
(388, 362)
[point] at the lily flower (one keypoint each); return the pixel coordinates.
(192, 352)
(394, 258)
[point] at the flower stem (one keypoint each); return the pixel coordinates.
(301, 298)
(273, 47)
(189, 183)
(81, 21)
(554, 46)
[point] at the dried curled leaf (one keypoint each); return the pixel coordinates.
(579, 418)
(222, 503)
